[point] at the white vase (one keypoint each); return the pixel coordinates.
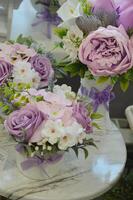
(103, 107)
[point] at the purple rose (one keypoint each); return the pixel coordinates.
(105, 5)
(5, 71)
(107, 51)
(43, 66)
(81, 114)
(23, 123)
(125, 12)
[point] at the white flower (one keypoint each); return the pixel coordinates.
(49, 148)
(70, 49)
(65, 91)
(53, 130)
(23, 73)
(70, 9)
(66, 141)
(34, 79)
(21, 69)
(71, 43)
(75, 129)
(71, 137)
(36, 148)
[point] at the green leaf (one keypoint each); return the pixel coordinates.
(75, 69)
(75, 149)
(39, 98)
(96, 125)
(90, 142)
(96, 116)
(5, 108)
(1, 104)
(102, 79)
(114, 79)
(58, 45)
(25, 40)
(60, 32)
(130, 32)
(85, 152)
(124, 84)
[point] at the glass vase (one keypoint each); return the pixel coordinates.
(39, 169)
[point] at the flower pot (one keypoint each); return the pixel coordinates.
(37, 169)
(98, 95)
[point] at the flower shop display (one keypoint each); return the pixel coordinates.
(47, 13)
(97, 37)
(47, 126)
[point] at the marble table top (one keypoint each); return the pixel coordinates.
(80, 179)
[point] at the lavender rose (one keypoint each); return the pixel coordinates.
(81, 114)
(105, 5)
(107, 51)
(5, 71)
(43, 66)
(23, 123)
(125, 12)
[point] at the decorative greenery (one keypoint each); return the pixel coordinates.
(11, 97)
(37, 149)
(86, 6)
(60, 32)
(73, 69)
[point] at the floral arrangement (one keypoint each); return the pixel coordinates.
(24, 64)
(44, 119)
(98, 39)
(50, 124)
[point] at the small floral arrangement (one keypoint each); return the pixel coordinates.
(24, 64)
(50, 124)
(98, 39)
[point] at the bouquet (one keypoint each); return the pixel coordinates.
(97, 37)
(44, 119)
(50, 124)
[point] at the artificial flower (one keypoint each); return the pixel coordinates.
(125, 14)
(70, 9)
(52, 130)
(43, 66)
(81, 114)
(107, 51)
(103, 5)
(23, 123)
(5, 71)
(23, 73)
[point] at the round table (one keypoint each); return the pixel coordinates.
(82, 179)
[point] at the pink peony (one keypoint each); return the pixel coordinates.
(107, 51)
